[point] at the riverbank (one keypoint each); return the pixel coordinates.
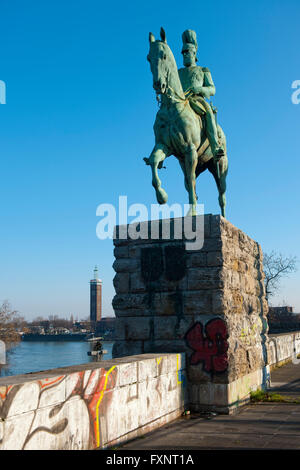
(26, 356)
(58, 337)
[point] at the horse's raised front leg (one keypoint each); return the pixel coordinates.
(191, 160)
(159, 153)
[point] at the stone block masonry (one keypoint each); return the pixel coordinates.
(209, 303)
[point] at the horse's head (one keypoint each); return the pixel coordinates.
(161, 59)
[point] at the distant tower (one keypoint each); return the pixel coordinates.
(95, 297)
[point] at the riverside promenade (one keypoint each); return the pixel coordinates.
(256, 426)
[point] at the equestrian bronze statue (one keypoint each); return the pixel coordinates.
(185, 125)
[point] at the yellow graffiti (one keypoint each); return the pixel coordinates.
(249, 333)
(178, 382)
(98, 405)
(159, 361)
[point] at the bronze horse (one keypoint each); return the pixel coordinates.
(179, 131)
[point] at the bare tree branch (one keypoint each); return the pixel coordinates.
(9, 322)
(276, 266)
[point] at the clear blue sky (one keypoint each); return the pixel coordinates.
(78, 121)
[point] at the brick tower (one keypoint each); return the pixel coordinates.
(95, 297)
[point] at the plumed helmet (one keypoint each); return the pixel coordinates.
(189, 40)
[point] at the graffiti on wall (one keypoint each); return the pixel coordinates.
(89, 408)
(209, 344)
(249, 333)
(72, 422)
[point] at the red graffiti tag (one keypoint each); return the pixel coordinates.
(210, 349)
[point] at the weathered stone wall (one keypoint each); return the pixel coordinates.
(92, 405)
(208, 302)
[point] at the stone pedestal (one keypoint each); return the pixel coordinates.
(208, 302)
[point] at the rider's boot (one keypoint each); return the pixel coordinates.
(212, 134)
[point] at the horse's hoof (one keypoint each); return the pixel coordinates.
(161, 196)
(147, 160)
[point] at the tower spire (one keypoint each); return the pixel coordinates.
(96, 272)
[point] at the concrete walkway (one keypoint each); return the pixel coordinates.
(286, 380)
(256, 426)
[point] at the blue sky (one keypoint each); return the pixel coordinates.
(78, 121)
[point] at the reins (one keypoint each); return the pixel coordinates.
(177, 99)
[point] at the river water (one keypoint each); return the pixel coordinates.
(27, 356)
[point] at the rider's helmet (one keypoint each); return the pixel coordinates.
(189, 40)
